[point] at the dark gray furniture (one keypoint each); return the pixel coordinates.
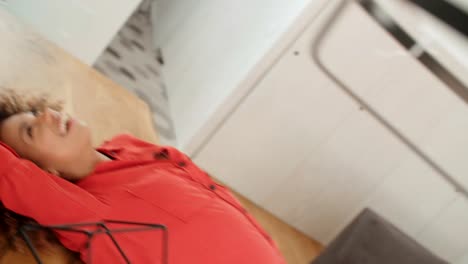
(370, 239)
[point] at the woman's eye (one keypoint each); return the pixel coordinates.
(29, 131)
(35, 112)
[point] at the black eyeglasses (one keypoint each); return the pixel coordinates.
(101, 228)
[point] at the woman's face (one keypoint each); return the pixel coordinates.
(56, 143)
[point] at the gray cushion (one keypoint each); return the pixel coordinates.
(370, 239)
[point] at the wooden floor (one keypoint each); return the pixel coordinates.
(296, 247)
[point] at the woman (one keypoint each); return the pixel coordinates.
(51, 173)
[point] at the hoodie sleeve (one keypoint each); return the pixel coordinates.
(50, 200)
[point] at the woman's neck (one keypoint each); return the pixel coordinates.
(100, 157)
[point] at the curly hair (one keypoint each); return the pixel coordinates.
(11, 103)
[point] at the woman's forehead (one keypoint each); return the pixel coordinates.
(17, 119)
(10, 127)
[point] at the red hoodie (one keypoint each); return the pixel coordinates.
(144, 183)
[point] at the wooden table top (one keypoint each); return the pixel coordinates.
(32, 64)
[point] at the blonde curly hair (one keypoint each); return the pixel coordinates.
(13, 102)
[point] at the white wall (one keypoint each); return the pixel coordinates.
(81, 27)
(210, 46)
(168, 16)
